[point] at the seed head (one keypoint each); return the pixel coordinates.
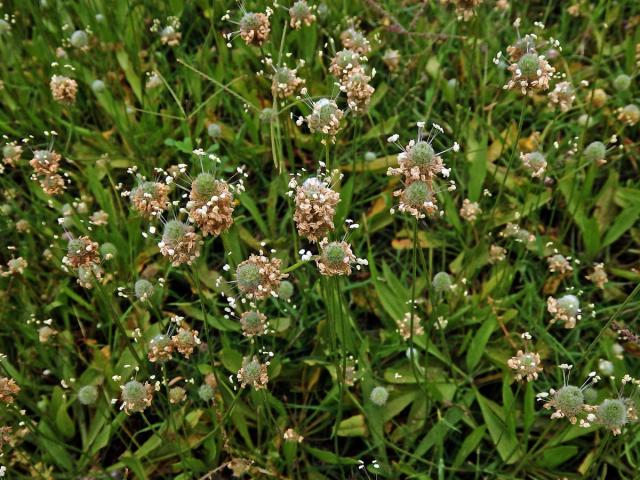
(325, 117)
(442, 282)
(136, 396)
(315, 208)
(301, 13)
(180, 243)
(253, 373)
(254, 28)
(258, 277)
(335, 258)
(150, 198)
(185, 341)
(596, 152)
(629, 115)
(143, 289)
(160, 348)
(211, 204)
(253, 323)
(63, 89)
(535, 163)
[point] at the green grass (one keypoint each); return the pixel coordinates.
(455, 410)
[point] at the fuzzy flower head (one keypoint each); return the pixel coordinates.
(259, 277)
(344, 62)
(8, 390)
(150, 199)
(336, 258)
(315, 203)
(596, 152)
(527, 365)
(565, 309)
(63, 89)
(325, 117)
(45, 162)
(391, 59)
(253, 373)
(211, 204)
(160, 348)
(629, 115)
(598, 276)
(285, 81)
(562, 96)
(185, 341)
(358, 90)
(379, 396)
(470, 210)
(180, 243)
(535, 163)
(559, 264)
(405, 326)
(530, 73)
(253, 28)
(81, 252)
(355, 40)
(301, 13)
(253, 323)
(136, 397)
(568, 401)
(522, 46)
(170, 32)
(11, 153)
(465, 9)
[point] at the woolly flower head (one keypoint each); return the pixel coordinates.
(253, 323)
(81, 252)
(335, 258)
(470, 210)
(568, 401)
(344, 62)
(598, 276)
(253, 28)
(405, 326)
(285, 81)
(565, 309)
(531, 72)
(63, 89)
(379, 396)
(136, 397)
(559, 264)
(629, 115)
(8, 390)
(170, 32)
(211, 204)
(527, 365)
(45, 162)
(391, 59)
(88, 395)
(596, 152)
(358, 90)
(180, 243)
(150, 199)
(253, 373)
(143, 289)
(11, 153)
(259, 277)
(562, 96)
(465, 9)
(615, 413)
(355, 40)
(301, 13)
(160, 348)
(185, 341)
(315, 203)
(325, 117)
(535, 163)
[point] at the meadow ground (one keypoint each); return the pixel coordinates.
(325, 240)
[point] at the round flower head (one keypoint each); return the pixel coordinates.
(335, 258)
(170, 36)
(622, 82)
(150, 198)
(325, 117)
(45, 162)
(254, 28)
(180, 243)
(286, 290)
(11, 153)
(315, 205)
(88, 275)
(497, 254)
(526, 44)
(79, 39)
(568, 402)
(185, 341)
(258, 276)
(253, 323)
(559, 264)
(404, 326)
(615, 413)
(88, 395)
(301, 13)
(206, 392)
(177, 395)
(358, 90)
(45, 333)
(629, 115)
(391, 59)
(465, 9)
(531, 72)
(442, 282)
(108, 251)
(52, 184)
(136, 396)
(417, 199)
(8, 390)
(566, 309)
(98, 86)
(562, 96)
(253, 373)
(285, 82)
(470, 210)
(597, 97)
(343, 63)
(160, 348)
(379, 396)
(355, 40)
(598, 276)
(214, 131)
(535, 163)
(143, 289)
(81, 252)
(63, 89)
(210, 204)
(15, 266)
(596, 152)
(526, 365)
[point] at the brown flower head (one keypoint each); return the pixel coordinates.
(565, 309)
(285, 82)
(150, 198)
(136, 396)
(8, 390)
(45, 162)
(470, 210)
(629, 115)
(599, 276)
(82, 252)
(559, 264)
(254, 28)
(336, 258)
(325, 117)
(355, 40)
(210, 204)
(185, 341)
(253, 323)
(11, 153)
(301, 13)
(465, 9)
(63, 89)
(358, 90)
(52, 184)
(343, 63)
(160, 348)
(404, 326)
(532, 72)
(315, 208)
(259, 277)
(562, 96)
(253, 373)
(535, 163)
(180, 243)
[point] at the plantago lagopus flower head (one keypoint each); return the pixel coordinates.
(136, 397)
(442, 282)
(63, 89)
(11, 153)
(143, 289)
(470, 210)
(379, 396)
(391, 59)
(355, 40)
(527, 365)
(598, 276)
(81, 252)
(253, 323)
(358, 90)
(301, 13)
(160, 348)
(150, 198)
(629, 115)
(465, 9)
(562, 96)
(568, 401)
(531, 72)
(343, 63)
(535, 163)
(185, 341)
(8, 390)
(286, 290)
(45, 162)
(315, 203)
(180, 243)
(88, 395)
(622, 82)
(253, 373)
(596, 152)
(325, 117)
(285, 81)
(336, 258)
(565, 309)
(210, 204)
(259, 277)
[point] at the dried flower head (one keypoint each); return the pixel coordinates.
(629, 115)
(535, 162)
(301, 13)
(523, 45)
(358, 90)
(136, 396)
(325, 117)
(562, 96)
(150, 198)
(8, 390)
(210, 204)
(598, 276)
(470, 210)
(290, 435)
(45, 333)
(11, 153)
(253, 373)
(82, 252)
(315, 205)
(531, 72)
(253, 323)
(405, 323)
(15, 266)
(343, 63)
(285, 82)
(259, 277)
(180, 243)
(566, 309)
(254, 28)
(52, 184)
(497, 254)
(177, 395)
(63, 89)
(160, 348)
(185, 341)
(527, 365)
(335, 258)
(355, 40)
(45, 162)
(559, 264)
(391, 59)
